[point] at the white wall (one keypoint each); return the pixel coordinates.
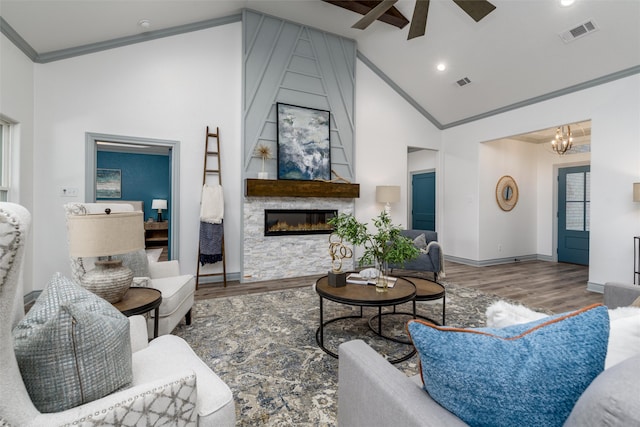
(507, 235)
(169, 88)
(16, 105)
(614, 109)
(386, 125)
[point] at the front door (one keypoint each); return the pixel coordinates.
(423, 201)
(573, 215)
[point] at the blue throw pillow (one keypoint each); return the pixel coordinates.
(530, 374)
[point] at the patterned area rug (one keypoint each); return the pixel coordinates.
(263, 346)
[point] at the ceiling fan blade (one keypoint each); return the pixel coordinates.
(419, 20)
(477, 9)
(374, 14)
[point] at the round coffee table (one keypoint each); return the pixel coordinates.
(426, 290)
(141, 301)
(363, 296)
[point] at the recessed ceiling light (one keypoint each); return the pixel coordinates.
(144, 24)
(441, 67)
(566, 3)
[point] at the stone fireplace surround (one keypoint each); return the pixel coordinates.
(278, 257)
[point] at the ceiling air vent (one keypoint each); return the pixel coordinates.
(579, 31)
(464, 81)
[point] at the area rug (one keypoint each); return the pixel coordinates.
(264, 347)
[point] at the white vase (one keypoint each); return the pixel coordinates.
(263, 175)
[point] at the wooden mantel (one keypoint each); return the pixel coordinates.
(294, 188)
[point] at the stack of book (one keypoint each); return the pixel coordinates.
(357, 279)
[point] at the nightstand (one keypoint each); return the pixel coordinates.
(157, 236)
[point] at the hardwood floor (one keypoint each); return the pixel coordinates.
(537, 284)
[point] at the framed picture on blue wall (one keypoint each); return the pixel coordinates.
(108, 183)
(304, 147)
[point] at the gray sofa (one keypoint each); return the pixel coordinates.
(372, 392)
(428, 262)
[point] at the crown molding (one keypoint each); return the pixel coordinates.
(57, 55)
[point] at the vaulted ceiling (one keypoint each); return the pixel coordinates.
(514, 56)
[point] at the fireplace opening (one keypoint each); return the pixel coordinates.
(282, 222)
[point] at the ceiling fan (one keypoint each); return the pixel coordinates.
(385, 11)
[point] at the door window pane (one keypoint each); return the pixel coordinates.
(578, 194)
(575, 216)
(575, 187)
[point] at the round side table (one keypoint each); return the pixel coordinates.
(141, 301)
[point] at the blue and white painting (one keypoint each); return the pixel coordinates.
(304, 149)
(108, 184)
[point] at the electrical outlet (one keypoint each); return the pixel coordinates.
(68, 192)
(499, 248)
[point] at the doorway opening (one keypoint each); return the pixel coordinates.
(95, 143)
(422, 183)
(574, 199)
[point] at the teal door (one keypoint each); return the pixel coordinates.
(573, 215)
(423, 201)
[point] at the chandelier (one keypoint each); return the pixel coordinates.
(562, 142)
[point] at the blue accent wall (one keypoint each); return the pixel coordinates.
(144, 177)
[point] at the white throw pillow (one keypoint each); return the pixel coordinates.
(501, 314)
(624, 333)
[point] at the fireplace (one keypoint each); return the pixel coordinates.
(283, 222)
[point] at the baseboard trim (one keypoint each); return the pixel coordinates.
(496, 261)
(595, 287)
(219, 279)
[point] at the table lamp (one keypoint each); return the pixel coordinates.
(104, 235)
(387, 194)
(159, 204)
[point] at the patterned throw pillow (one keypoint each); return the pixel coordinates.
(530, 374)
(137, 261)
(72, 347)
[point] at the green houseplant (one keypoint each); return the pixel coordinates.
(384, 246)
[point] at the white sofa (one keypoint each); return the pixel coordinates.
(163, 370)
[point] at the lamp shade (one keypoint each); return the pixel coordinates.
(104, 235)
(159, 204)
(636, 191)
(388, 193)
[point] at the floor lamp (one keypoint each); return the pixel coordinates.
(104, 235)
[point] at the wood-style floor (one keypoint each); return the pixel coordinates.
(545, 285)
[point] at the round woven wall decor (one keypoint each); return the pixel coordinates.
(506, 193)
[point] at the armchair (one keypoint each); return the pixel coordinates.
(430, 258)
(166, 372)
(177, 289)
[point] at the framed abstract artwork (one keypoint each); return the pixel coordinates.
(108, 184)
(304, 148)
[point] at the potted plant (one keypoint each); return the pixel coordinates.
(386, 245)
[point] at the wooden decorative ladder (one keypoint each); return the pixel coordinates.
(212, 167)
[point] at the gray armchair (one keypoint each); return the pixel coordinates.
(431, 261)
